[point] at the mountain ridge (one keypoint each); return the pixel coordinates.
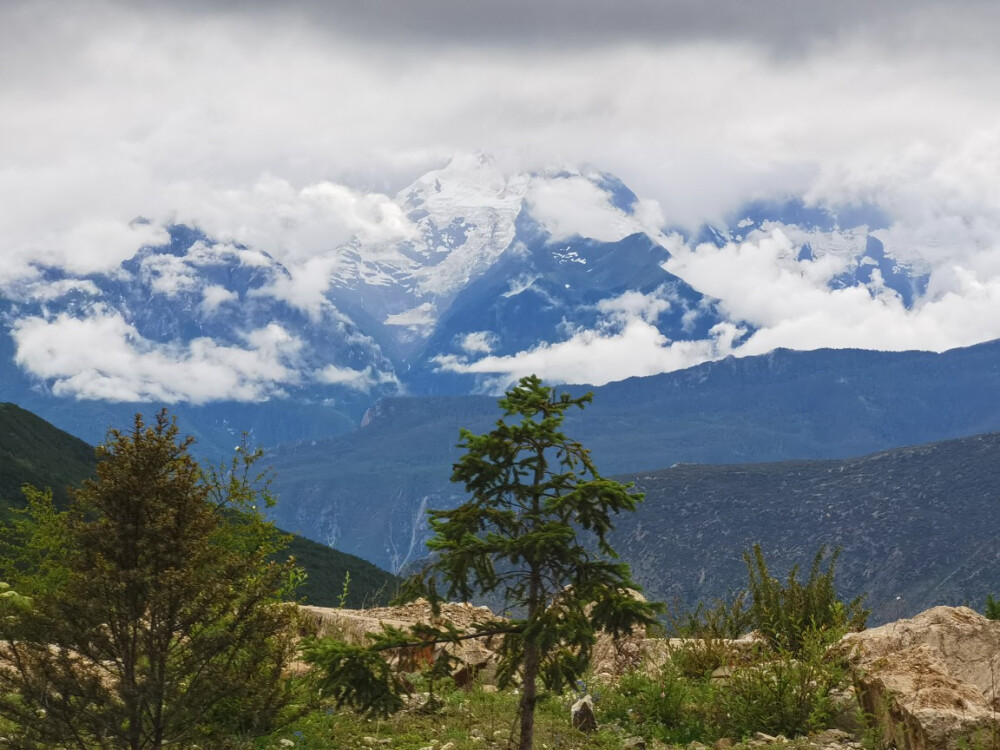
(788, 404)
(470, 267)
(33, 451)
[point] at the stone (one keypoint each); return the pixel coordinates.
(829, 737)
(930, 682)
(721, 675)
(722, 744)
(633, 743)
(582, 715)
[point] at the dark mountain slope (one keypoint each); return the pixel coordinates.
(366, 492)
(34, 452)
(918, 526)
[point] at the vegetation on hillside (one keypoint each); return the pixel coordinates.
(33, 452)
(150, 611)
(155, 614)
(707, 689)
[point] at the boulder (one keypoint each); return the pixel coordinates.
(582, 715)
(930, 682)
(476, 657)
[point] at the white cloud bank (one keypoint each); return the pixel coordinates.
(286, 135)
(598, 357)
(784, 302)
(105, 358)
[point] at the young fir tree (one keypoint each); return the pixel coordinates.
(535, 530)
(155, 616)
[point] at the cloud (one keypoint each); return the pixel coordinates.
(575, 207)
(287, 127)
(422, 316)
(646, 307)
(624, 343)
(779, 25)
(294, 225)
(303, 229)
(48, 291)
(103, 357)
(358, 380)
(597, 357)
(761, 282)
(214, 296)
(478, 342)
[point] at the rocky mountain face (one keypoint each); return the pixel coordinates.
(480, 263)
(915, 525)
(366, 492)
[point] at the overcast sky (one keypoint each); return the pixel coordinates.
(112, 110)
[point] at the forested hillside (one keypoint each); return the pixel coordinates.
(34, 452)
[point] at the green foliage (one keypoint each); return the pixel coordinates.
(786, 613)
(787, 693)
(155, 611)
(992, 609)
(327, 568)
(664, 705)
(342, 599)
(355, 676)
(34, 452)
(726, 618)
(538, 508)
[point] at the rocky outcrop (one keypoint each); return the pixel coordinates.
(475, 656)
(931, 682)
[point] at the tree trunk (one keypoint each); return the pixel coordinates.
(528, 697)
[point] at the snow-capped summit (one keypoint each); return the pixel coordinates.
(486, 274)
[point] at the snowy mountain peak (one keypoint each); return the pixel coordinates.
(563, 271)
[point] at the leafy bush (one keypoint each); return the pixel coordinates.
(149, 612)
(789, 693)
(697, 658)
(724, 619)
(785, 613)
(992, 610)
(662, 705)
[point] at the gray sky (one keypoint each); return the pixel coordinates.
(216, 112)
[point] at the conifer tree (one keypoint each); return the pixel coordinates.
(535, 531)
(155, 615)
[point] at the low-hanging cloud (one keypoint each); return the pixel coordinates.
(102, 357)
(286, 127)
(597, 357)
(357, 380)
(625, 343)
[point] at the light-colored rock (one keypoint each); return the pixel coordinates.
(582, 715)
(931, 682)
(476, 655)
(633, 743)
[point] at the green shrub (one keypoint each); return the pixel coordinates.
(788, 694)
(992, 610)
(784, 613)
(726, 618)
(697, 658)
(664, 705)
